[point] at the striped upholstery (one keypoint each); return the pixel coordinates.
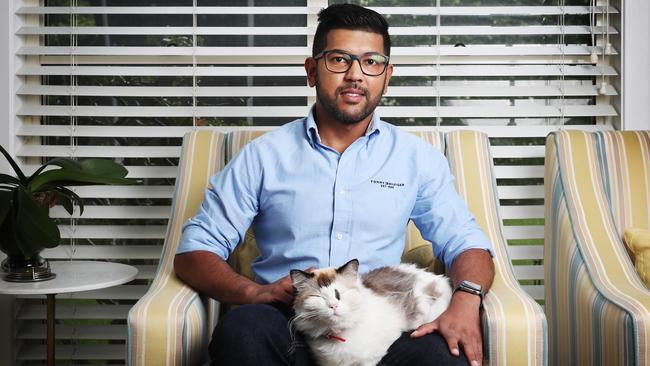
(171, 324)
(598, 310)
(514, 325)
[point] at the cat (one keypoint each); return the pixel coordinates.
(351, 320)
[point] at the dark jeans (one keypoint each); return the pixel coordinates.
(259, 335)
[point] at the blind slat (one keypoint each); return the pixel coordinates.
(113, 252)
(410, 10)
(396, 31)
(400, 70)
(518, 252)
(303, 52)
(67, 311)
(464, 111)
(113, 231)
(300, 91)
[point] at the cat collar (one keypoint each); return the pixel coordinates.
(338, 338)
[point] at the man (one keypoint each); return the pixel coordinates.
(336, 185)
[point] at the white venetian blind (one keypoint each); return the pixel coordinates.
(125, 80)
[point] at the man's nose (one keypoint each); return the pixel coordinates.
(354, 72)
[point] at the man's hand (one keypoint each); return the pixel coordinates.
(280, 290)
(460, 325)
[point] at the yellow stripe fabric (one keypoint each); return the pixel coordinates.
(626, 167)
(168, 324)
(514, 324)
(598, 309)
(416, 249)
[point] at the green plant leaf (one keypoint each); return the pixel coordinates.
(35, 230)
(61, 162)
(104, 167)
(70, 177)
(66, 202)
(8, 179)
(13, 164)
(72, 197)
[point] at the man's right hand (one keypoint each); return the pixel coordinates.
(280, 290)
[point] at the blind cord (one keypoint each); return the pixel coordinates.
(73, 118)
(438, 44)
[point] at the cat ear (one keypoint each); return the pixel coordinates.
(299, 278)
(351, 268)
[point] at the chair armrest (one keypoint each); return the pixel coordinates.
(514, 327)
(168, 326)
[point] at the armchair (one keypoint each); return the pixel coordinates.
(597, 184)
(172, 324)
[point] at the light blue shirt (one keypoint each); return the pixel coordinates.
(310, 206)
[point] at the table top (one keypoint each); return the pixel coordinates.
(74, 276)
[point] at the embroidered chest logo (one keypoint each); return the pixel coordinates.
(385, 184)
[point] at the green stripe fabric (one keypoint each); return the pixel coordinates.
(597, 308)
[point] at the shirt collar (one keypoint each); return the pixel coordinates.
(374, 127)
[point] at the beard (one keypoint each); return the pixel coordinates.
(342, 116)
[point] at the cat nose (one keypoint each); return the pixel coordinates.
(333, 306)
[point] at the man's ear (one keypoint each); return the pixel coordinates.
(311, 66)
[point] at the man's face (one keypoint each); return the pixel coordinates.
(352, 96)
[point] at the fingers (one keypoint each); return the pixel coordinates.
(452, 343)
(284, 290)
(425, 329)
(474, 351)
(285, 298)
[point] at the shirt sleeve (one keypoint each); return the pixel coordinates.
(441, 214)
(228, 208)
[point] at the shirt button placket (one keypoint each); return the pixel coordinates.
(340, 236)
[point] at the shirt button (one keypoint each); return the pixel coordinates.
(339, 236)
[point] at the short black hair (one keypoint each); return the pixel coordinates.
(352, 17)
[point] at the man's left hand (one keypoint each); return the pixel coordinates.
(460, 325)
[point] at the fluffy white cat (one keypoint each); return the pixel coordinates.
(351, 320)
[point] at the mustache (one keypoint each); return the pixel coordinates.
(340, 89)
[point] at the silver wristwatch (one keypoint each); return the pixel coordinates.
(471, 287)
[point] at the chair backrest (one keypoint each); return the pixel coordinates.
(624, 160)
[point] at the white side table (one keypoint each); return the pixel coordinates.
(71, 276)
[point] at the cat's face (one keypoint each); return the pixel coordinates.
(327, 299)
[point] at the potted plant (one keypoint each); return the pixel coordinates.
(25, 225)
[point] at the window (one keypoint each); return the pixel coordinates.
(126, 79)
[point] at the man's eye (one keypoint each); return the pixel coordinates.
(371, 62)
(340, 60)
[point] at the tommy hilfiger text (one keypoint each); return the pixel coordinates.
(384, 184)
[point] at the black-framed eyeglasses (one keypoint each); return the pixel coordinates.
(337, 61)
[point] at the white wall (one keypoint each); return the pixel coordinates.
(636, 63)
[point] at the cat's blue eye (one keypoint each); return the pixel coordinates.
(336, 293)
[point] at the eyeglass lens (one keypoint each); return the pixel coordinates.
(371, 63)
